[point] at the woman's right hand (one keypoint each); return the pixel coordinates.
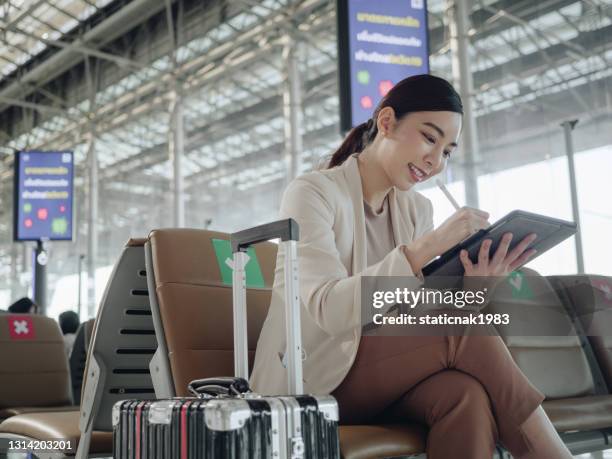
(462, 224)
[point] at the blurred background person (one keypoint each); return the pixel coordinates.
(23, 306)
(69, 323)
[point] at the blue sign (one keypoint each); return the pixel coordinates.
(379, 43)
(44, 183)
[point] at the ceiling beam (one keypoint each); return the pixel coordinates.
(109, 29)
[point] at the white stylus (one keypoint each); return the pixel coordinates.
(447, 194)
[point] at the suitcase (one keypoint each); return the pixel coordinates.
(131, 430)
(225, 419)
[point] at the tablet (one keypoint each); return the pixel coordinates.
(550, 231)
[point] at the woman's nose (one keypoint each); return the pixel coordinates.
(434, 160)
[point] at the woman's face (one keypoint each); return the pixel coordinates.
(418, 146)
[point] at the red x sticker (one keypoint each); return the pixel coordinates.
(21, 327)
(605, 287)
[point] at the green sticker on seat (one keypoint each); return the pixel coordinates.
(520, 286)
(223, 251)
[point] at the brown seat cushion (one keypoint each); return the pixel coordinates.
(15, 410)
(376, 441)
(580, 413)
(56, 426)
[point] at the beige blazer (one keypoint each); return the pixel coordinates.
(328, 206)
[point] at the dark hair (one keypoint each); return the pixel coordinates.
(419, 93)
(22, 306)
(69, 322)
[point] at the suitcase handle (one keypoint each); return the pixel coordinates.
(286, 230)
(212, 391)
(218, 386)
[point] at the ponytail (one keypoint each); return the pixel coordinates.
(356, 140)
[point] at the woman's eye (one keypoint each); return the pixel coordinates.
(429, 138)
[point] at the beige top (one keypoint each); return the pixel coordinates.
(379, 232)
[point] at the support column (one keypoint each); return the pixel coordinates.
(459, 45)
(92, 225)
(39, 280)
(81, 257)
(292, 109)
(15, 281)
(568, 127)
(92, 194)
(177, 150)
(26, 270)
(176, 134)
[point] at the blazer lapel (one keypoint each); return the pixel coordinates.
(353, 179)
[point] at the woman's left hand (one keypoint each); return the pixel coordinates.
(502, 262)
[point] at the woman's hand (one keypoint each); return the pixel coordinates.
(503, 262)
(462, 224)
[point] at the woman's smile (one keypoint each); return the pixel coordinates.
(418, 175)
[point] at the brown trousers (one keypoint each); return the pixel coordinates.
(467, 389)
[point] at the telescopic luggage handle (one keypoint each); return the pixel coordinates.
(288, 231)
(285, 230)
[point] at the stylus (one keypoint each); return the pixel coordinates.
(447, 194)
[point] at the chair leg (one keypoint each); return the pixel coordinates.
(83, 448)
(90, 405)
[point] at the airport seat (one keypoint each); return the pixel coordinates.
(546, 346)
(590, 297)
(122, 344)
(57, 426)
(383, 441)
(192, 314)
(78, 357)
(33, 368)
(192, 308)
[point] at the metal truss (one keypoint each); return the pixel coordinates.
(125, 106)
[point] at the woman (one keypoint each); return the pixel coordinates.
(362, 217)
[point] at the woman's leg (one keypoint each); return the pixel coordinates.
(461, 424)
(385, 368)
(458, 412)
(524, 428)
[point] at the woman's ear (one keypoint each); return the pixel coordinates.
(386, 120)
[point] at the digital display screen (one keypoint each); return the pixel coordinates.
(380, 42)
(44, 183)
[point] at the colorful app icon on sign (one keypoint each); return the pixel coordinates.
(384, 87)
(366, 102)
(59, 225)
(363, 76)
